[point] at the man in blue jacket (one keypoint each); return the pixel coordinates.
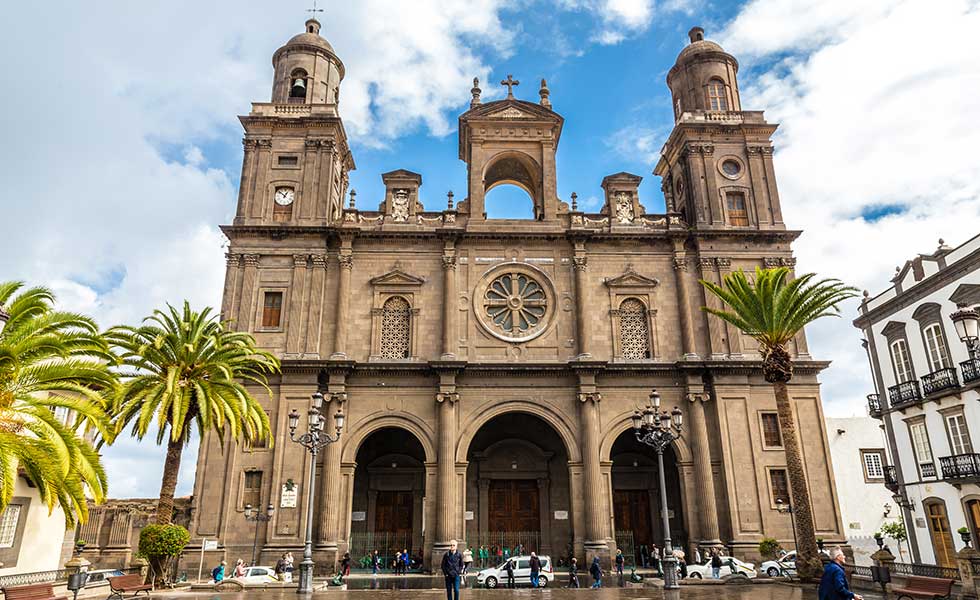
(452, 566)
(833, 584)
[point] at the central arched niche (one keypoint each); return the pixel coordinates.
(518, 169)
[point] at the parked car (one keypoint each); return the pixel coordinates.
(254, 577)
(703, 571)
(497, 576)
(785, 565)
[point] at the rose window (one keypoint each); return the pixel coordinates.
(515, 302)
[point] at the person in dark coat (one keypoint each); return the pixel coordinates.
(509, 568)
(573, 573)
(833, 584)
(620, 561)
(535, 564)
(596, 571)
(452, 567)
(644, 555)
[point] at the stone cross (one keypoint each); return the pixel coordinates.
(510, 82)
(314, 10)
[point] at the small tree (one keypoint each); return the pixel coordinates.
(160, 545)
(896, 531)
(769, 548)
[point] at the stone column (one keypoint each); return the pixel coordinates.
(446, 474)
(346, 261)
(683, 301)
(703, 476)
(716, 327)
(245, 308)
(331, 479)
(314, 321)
(233, 262)
(246, 181)
(296, 317)
(544, 500)
(449, 328)
(596, 522)
(581, 265)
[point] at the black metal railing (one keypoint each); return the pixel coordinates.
(904, 394)
(937, 381)
(858, 570)
(891, 478)
(960, 466)
(971, 370)
(927, 469)
(504, 544)
(388, 544)
(874, 406)
(926, 570)
(32, 578)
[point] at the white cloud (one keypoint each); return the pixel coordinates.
(617, 19)
(877, 106)
(639, 143)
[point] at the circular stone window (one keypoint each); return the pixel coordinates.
(731, 168)
(514, 302)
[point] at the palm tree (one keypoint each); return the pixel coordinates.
(184, 369)
(773, 309)
(49, 360)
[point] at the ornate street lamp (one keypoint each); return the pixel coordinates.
(313, 440)
(966, 320)
(658, 429)
(787, 507)
(252, 514)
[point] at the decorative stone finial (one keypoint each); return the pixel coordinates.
(510, 82)
(696, 34)
(574, 201)
(353, 194)
(867, 294)
(544, 92)
(449, 200)
(476, 93)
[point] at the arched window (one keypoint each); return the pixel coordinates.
(509, 201)
(634, 330)
(717, 98)
(936, 347)
(396, 315)
(297, 85)
(901, 361)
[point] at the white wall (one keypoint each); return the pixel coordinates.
(861, 504)
(42, 535)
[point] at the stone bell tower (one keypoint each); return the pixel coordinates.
(717, 163)
(510, 141)
(296, 153)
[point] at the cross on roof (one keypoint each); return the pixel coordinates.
(510, 82)
(314, 10)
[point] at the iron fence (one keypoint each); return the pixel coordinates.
(31, 578)
(858, 570)
(362, 545)
(624, 543)
(926, 570)
(503, 544)
(961, 466)
(970, 369)
(940, 380)
(904, 394)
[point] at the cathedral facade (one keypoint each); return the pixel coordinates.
(488, 368)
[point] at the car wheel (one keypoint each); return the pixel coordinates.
(491, 582)
(543, 582)
(695, 575)
(772, 572)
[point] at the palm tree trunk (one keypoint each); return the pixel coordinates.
(808, 563)
(171, 468)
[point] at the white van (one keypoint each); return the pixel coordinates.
(497, 576)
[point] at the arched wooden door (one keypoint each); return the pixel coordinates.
(942, 537)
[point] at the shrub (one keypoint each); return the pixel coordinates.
(160, 545)
(769, 547)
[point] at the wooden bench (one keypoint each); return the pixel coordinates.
(924, 587)
(128, 584)
(37, 591)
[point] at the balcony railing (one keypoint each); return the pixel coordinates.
(961, 467)
(971, 370)
(891, 478)
(874, 406)
(927, 469)
(937, 381)
(904, 394)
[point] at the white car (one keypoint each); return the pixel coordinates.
(703, 571)
(254, 577)
(497, 576)
(785, 565)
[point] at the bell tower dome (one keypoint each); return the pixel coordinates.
(307, 70)
(703, 78)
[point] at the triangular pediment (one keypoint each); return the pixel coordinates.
(632, 279)
(397, 277)
(511, 109)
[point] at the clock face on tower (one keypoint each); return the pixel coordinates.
(284, 196)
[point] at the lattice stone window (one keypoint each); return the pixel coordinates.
(396, 330)
(634, 330)
(8, 526)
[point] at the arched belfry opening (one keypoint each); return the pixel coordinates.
(514, 170)
(510, 142)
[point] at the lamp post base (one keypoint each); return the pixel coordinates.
(670, 573)
(305, 577)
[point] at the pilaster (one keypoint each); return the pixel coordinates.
(716, 327)
(244, 320)
(684, 305)
(580, 262)
(449, 328)
(345, 260)
(707, 507)
(314, 319)
(597, 533)
(296, 317)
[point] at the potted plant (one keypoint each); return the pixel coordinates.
(820, 544)
(80, 546)
(965, 535)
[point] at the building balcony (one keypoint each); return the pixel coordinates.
(891, 478)
(937, 381)
(971, 370)
(874, 406)
(904, 394)
(928, 470)
(961, 468)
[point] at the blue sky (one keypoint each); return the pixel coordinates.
(122, 145)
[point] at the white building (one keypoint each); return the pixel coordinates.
(927, 396)
(31, 538)
(857, 449)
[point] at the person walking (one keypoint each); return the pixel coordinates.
(509, 568)
(681, 563)
(697, 556)
(535, 564)
(289, 567)
(375, 563)
(620, 561)
(239, 569)
(406, 561)
(467, 561)
(655, 560)
(644, 555)
(218, 573)
(452, 566)
(573, 573)
(398, 563)
(596, 571)
(279, 570)
(833, 583)
(345, 564)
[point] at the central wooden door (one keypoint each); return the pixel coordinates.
(942, 537)
(632, 513)
(394, 512)
(514, 505)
